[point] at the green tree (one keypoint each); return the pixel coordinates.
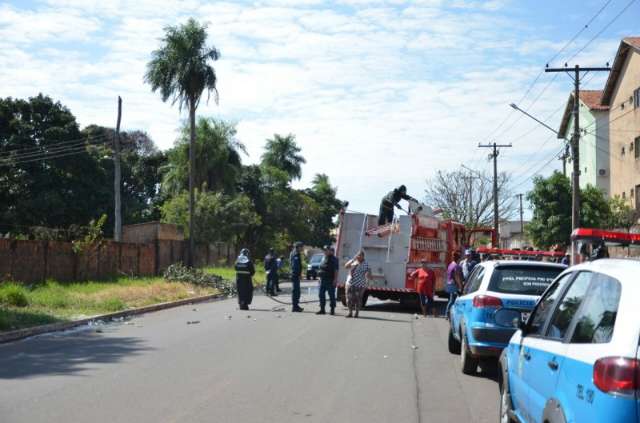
(551, 202)
(218, 158)
(284, 153)
(48, 174)
(324, 194)
(622, 216)
(218, 217)
(180, 70)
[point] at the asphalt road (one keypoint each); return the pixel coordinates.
(238, 366)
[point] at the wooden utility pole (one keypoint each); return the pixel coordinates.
(117, 178)
(575, 139)
(496, 212)
(521, 214)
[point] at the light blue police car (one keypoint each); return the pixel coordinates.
(576, 359)
(493, 285)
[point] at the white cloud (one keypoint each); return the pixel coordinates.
(378, 93)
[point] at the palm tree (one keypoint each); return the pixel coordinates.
(180, 70)
(283, 153)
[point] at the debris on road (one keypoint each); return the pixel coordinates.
(413, 347)
(195, 309)
(385, 356)
(193, 322)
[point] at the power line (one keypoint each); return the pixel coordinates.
(51, 145)
(74, 151)
(54, 150)
(539, 169)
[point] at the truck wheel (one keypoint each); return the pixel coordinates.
(342, 297)
(468, 363)
(454, 344)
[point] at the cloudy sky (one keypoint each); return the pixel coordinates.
(377, 92)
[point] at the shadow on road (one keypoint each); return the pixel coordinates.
(64, 355)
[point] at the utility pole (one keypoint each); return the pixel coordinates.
(469, 179)
(564, 157)
(575, 139)
(496, 213)
(117, 176)
(521, 214)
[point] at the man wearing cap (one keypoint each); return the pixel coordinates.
(390, 201)
(328, 272)
(296, 271)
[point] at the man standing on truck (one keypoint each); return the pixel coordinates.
(328, 273)
(295, 261)
(390, 201)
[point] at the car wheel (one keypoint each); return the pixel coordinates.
(505, 400)
(453, 343)
(468, 362)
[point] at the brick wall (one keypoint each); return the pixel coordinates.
(36, 261)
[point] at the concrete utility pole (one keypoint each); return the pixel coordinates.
(521, 214)
(117, 176)
(496, 213)
(575, 139)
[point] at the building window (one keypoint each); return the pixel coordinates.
(636, 144)
(624, 194)
(636, 98)
(622, 152)
(637, 197)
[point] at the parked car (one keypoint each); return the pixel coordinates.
(314, 264)
(474, 332)
(576, 359)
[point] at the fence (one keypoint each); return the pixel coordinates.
(36, 261)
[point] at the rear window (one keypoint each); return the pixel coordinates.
(524, 280)
(316, 259)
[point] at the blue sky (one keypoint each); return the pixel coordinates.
(378, 92)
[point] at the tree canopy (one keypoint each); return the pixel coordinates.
(284, 153)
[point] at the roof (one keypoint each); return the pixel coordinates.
(591, 98)
(626, 45)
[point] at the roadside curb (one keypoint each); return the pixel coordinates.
(57, 327)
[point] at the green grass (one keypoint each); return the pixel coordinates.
(24, 306)
(229, 273)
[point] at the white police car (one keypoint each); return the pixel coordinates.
(576, 359)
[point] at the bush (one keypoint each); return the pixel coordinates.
(180, 273)
(113, 305)
(14, 295)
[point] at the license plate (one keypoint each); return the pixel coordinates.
(525, 316)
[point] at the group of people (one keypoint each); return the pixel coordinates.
(359, 275)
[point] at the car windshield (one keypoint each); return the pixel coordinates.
(316, 259)
(525, 280)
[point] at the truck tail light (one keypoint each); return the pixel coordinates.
(617, 375)
(481, 301)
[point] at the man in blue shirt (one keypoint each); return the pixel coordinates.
(296, 271)
(328, 272)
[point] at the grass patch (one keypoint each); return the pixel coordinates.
(229, 273)
(24, 306)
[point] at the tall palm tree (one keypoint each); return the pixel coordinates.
(283, 153)
(180, 70)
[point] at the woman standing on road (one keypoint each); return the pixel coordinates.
(359, 274)
(244, 272)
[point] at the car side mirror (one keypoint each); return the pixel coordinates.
(508, 317)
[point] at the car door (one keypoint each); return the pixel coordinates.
(519, 349)
(589, 338)
(546, 354)
(463, 303)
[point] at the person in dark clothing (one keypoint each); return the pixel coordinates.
(296, 271)
(328, 272)
(280, 262)
(244, 273)
(390, 201)
(271, 269)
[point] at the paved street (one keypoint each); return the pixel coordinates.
(256, 366)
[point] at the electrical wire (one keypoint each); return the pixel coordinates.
(50, 151)
(28, 149)
(531, 176)
(57, 155)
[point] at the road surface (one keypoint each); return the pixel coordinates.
(238, 366)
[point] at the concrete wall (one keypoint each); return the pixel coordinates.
(624, 127)
(36, 261)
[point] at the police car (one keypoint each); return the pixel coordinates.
(516, 285)
(576, 358)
